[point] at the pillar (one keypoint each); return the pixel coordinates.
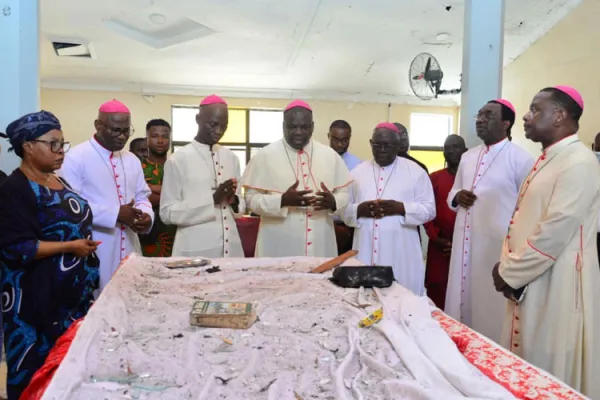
(483, 51)
(19, 69)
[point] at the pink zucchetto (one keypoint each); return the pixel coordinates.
(389, 126)
(212, 99)
(572, 93)
(506, 103)
(114, 107)
(298, 103)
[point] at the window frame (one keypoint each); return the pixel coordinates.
(247, 145)
(431, 148)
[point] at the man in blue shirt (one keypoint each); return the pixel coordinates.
(339, 140)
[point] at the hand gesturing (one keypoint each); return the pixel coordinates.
(296, 198)
(324, 200)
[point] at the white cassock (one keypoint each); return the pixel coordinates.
(108, 180)
(394, 240)
(294, 231)
(551, 248)
(494, 173)
(191, 176)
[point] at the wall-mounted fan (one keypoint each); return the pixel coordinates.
(425, 77)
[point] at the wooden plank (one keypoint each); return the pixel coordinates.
(334, 262)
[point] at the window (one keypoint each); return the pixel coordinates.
(427, 133)
(248, 131)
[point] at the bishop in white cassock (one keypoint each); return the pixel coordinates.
(484, 194)
(295, 185)
(113, 182)
(549, 266)
(199, 190)
(389, 198)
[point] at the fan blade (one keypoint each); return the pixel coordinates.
(428, 66)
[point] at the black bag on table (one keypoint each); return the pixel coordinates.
(365, 276)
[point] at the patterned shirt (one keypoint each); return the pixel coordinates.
(159, 242)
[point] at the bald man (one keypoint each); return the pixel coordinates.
(113, 182)
(199, 193)
(405, 146)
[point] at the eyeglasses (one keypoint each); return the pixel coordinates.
(116, 132)
(55, 145)
(486, 115)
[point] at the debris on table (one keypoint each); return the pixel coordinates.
(373, 318)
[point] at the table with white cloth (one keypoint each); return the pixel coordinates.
(137, 342)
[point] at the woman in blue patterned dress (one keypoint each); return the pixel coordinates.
(48, 267)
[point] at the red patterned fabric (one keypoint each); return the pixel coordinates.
(513, 373)
(42, 378)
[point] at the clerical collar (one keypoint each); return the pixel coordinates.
(560, 145)
(103, 150)
(203, 146)
(497, 144)
(306, 149)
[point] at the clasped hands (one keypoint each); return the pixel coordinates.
(503, 287)
(226, 192)
(134, 218)
(323, 200)
(378, 209)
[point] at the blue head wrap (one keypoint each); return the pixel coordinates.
(30, 127)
